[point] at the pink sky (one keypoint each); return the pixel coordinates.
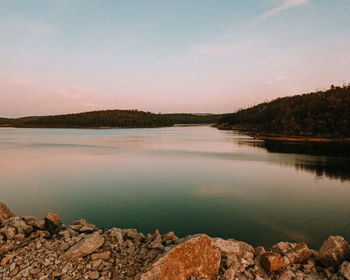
(194, 56)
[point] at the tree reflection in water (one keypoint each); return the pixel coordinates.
(330, 159)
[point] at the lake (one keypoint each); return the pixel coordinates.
(186, 179)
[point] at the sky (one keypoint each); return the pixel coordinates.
(64, 56)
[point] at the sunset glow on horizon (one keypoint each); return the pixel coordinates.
(167, 56)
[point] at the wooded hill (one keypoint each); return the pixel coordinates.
(109, 118)
(318, 114)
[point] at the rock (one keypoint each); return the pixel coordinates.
(157, 241)
(229, 274)
(334, 251)
(84, 247)
(227, 247)
(239, 248)
(287, 275)
(53, 219)
(19, 225)
(283, 247)
(169, 237)
(94, 275)
(7, 259)
(300, 253)
(116, 235)
(198, 257)
(34, 222)
(345, 269)
(102, 255)
(260, 250)
(272, 261)
(5, 213)
(8, 232)
(6, 248)
(88, 228)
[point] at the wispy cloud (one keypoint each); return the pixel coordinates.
(287, 4)
(216, 50)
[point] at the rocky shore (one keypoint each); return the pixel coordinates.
(44, 248)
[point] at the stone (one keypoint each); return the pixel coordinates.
(94, 275)
(102, 255)
(5, 213)
(19, 225)
(157, 241)
(197, 257)
(282, 247)
(88, 228)
(227, 247)
(287, 275)
(7, 259)
(229, 274)
(8, 232)
(169, 236)
(334, 251)
(86, 246)
(272, 261)
(53, 219)
(116, 235)
(260, 250)
(299, 254)
(34, 222)
(345, 269)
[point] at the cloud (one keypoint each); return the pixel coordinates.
(216, 50)
(287, 4)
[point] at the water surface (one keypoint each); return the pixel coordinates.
(182, 179)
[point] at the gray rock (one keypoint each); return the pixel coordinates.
(334, 251)
(86, 246)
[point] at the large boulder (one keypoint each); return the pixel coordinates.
(198, 257)
(5, 213)
(334, 251)
(86, 246)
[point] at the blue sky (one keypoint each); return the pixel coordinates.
(65, 56)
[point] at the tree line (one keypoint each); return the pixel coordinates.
(317, 114)
(109, 118)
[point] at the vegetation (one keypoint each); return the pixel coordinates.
(193, 118)
(318, 114)
(109, 118)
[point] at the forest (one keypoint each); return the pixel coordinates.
(110, 118)
(318, 114)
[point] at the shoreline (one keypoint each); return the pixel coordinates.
(252, 131)
(44, 248)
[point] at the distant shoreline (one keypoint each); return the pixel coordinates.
(251, 131)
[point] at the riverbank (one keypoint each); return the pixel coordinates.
(44, 248)
(253, 131)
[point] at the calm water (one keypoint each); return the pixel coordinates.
(184, 179)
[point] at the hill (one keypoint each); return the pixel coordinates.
(109, 118)
(323, 114)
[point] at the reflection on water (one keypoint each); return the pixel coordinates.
(182, 179)
(331, 159)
